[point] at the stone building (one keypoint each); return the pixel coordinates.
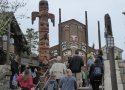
(117, 52)
(18, 43)
(71, 38)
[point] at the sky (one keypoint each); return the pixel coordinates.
(75, 9)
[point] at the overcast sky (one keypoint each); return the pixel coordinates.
(75, 9)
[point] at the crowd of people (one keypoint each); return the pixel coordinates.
(76, 74)
(63, 76)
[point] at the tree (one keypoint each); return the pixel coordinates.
(8, 6)
(32, 38)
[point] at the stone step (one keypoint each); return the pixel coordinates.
(121, 61)
(4, 83)
(122, 70)
(88, 88)
(123, 78)
(121, 65)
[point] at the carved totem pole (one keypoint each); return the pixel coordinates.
(108, 26)
(43, 16)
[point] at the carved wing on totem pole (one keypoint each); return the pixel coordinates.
(108, 26)
(52, 17)
(34, 15)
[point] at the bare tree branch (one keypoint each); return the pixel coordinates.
(6, 6)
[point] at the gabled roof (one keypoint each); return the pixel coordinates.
(72, 20)
(121, 50)
(15, 30)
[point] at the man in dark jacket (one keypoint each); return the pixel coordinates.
(75, 65)
(14, 69)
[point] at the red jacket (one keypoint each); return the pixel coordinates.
(27, 84)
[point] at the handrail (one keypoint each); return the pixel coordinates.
(45, 73)
(41, 77)
(46, 82)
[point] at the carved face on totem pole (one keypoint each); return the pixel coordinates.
(44, 26)
(43, 7)
(43, 44)
(108, 25)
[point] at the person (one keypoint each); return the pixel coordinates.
(69, 59)
(100, 56)
(35, 76)
(84, 77)
(28, 67)
(96, 74)
(14, 69)
(90, 62)
(68, 82)
(58, 69)
(52, 84)
(75, 65)
(25, 80)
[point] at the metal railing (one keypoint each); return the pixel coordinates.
(40, 83)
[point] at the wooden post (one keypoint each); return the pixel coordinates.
(99, 36)
(86, 35)
(8, 43)
(60, 34)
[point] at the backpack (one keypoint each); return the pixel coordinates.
(97, 72)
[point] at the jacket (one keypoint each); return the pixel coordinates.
(14, 66)
(58, 70)
(76, 63)
(27, 84)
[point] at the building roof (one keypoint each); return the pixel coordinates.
(15, 30)
(121, 50)
(74, 21)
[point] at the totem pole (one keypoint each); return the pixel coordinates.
(43, 16)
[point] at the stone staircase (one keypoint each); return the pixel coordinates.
(122, 71)
(4, 78)
(88, 88)
(4, 83)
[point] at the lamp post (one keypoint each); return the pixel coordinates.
(110, 46)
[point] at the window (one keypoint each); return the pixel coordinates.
(84, 48)
(79, 27)
(66, 26)
(63, 42)
(63, 47)
(55, 51)
(55, 54)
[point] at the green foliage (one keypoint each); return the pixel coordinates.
(117, 58)
(4, 18)
(11, 6)
(8, 6)
(32, 38)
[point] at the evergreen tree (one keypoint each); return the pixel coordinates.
(32, 38)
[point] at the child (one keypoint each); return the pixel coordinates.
(52, 84)
(84, 77)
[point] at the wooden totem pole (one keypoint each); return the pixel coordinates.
(43, 16)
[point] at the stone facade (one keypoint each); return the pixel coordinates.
(117, 53)
(72, 37)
